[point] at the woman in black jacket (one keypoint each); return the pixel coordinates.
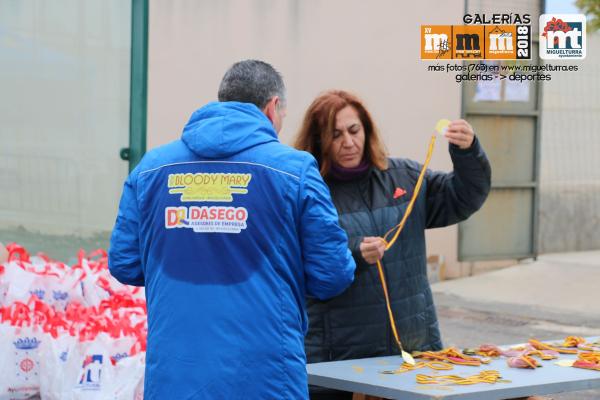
(371, 193)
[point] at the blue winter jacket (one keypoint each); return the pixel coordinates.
(228, 230)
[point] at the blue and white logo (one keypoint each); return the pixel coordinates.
(89, 378)
(562, 36)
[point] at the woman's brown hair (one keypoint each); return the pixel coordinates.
(316, 133)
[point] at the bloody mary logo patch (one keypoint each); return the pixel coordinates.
(219, 187)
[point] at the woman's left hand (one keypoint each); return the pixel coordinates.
(460, 133)
(372, 249)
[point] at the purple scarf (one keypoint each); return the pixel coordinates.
(349, 174)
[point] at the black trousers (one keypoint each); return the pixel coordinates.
(330, 395)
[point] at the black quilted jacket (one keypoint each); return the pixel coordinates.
(355, 324)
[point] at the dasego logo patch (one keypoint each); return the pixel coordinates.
(221, 219)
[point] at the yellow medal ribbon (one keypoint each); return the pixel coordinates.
(543, 346)
(487, 376)
(405, 367)
(452, 355)
(398, 228)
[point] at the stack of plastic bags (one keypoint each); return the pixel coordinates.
(69, 332)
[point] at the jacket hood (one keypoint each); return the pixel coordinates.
(222, 129)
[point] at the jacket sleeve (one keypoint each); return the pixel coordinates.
(124, 258)
(328, 263)
(354, 246)
(453, 197)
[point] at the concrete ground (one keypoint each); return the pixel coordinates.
(556, 296)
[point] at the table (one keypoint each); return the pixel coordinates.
(363, 376)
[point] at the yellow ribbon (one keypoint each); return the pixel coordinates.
(405, 367)
(487, 376)
(398, 228)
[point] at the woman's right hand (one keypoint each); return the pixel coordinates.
(372, 249)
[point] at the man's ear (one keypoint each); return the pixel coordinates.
(270, 109)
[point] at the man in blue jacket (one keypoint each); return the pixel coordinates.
(228, 230)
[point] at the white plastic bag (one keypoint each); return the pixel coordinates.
(19, 283)
(21, 280)
(129, 378)
(74, 370)
(94, 370)
(53, 369)
(20, 366)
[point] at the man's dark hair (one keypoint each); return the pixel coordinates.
(252, 81)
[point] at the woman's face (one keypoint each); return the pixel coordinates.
(348, 138)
